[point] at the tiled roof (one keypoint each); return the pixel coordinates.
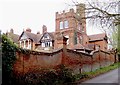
(31, 36)
(51, 35)
(79, 46)
(97, 37)
(13, 37)
(36, 37)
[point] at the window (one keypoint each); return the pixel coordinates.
(43, 44)
(66, 24)
(77, 39)
(46, 44)
(80, 26)
(80, 39)
(45, 36)
(61, 25)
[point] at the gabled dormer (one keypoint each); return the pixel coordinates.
(47, 40)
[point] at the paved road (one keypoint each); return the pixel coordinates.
(110, 77)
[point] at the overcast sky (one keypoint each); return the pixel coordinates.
(22, 14)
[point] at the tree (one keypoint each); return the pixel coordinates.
(106, 15)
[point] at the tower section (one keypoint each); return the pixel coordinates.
(65, 20)
(72, 25)
(65, 25)
(81, 18)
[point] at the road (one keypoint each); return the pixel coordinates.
(109, 77)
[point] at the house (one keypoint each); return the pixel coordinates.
(44, 41)
(12, 36)
(70, 25)
(99, 40)
(28, 40)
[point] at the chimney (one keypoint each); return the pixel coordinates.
(11, 31)
(80, 8)
(71, 10)
(28, 30)
(62, 42)
(44, 29)
(38, 32)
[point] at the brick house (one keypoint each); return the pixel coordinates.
(70, 25)
(12, 36)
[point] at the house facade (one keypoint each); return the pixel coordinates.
(72, 25)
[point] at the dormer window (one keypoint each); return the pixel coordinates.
(65, 24)
(61, 25)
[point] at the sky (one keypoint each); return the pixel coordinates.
(22, 14)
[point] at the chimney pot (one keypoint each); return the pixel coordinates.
(72, 10)
(11, 30)
(28, 30)
(38, 32)
(44, 28)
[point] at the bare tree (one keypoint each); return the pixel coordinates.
(106, 15)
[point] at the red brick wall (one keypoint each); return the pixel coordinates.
(35, 60)
(72, 59)
(103, 44)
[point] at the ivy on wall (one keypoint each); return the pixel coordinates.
(8, 59)
(8, 53)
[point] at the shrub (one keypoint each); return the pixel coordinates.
(8, 58)
(46, 77)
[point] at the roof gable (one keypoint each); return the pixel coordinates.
(24, 36)
(29, 35)
(47, 36)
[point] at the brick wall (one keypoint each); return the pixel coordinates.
(79, 62)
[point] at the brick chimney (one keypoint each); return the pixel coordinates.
(62, 42)
(44, 29)
(38, 32)
(11, 31)
(28, 30)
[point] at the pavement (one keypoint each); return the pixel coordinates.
(109, 78)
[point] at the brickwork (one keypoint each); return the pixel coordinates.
(76, 26)
(79, 62)
(70, 24)
(103, 44)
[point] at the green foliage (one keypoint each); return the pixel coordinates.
(24, 51)
(8, 58)
(118, 47)
(80, 76)
(8, 53)
(59, 76)
(102, 70)
(114, 39)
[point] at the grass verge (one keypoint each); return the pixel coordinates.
(92, 74)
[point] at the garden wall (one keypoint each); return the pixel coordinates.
(78, 61)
